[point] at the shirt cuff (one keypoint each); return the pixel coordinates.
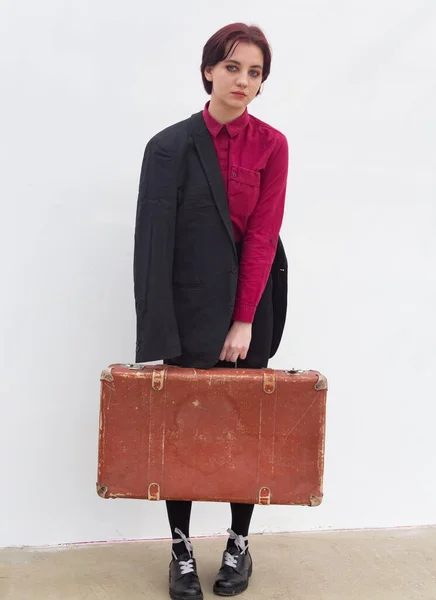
(244, 313)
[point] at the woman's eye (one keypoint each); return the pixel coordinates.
(234, 68)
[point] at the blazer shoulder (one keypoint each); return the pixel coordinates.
(174, 136)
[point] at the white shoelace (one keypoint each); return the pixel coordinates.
(231, 560)
(186, 566)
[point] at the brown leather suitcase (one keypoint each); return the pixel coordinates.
(223, 435)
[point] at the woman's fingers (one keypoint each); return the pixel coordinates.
(231, 354)
(234, 357)
(243, 354)
(237, 342)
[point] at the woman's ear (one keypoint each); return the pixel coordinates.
(208, 73)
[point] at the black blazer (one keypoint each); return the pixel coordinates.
(185, 260)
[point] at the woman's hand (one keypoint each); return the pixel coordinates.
(237, 342)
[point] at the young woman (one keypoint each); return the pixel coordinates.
(209, 268)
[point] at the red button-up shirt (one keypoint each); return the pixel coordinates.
(253, 158)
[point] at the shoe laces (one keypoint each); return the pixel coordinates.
(231, 560)
(186, 566)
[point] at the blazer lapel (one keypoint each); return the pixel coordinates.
(209, 161)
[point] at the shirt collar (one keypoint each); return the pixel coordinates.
(233, 128)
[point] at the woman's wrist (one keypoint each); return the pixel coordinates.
(242, 324)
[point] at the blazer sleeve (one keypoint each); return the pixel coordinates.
(157, 335)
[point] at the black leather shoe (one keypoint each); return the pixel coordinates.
(184, 581)
(236, 568)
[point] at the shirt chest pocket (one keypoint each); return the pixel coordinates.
(244, 189)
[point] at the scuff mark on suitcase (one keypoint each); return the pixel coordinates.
(130, 388)
(230, 436)
(299, 420)
(125, 495)
(109, 397)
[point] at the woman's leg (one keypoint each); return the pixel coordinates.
(179, 516)
(241, 518)
(184, 583)
(179, 511)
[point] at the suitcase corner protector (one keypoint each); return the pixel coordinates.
(322, 383)
(102, 490)
(315, 500)
(106, 375)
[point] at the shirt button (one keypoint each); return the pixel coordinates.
(233, 174)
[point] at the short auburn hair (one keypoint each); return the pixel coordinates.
(221, 44)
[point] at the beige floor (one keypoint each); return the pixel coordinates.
(366, 565)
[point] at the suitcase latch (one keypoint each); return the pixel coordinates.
(157, 380)
(269, 382)
(154, 491)
(265, 495)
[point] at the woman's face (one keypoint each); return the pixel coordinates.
(237, 79)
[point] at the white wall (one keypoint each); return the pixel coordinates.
(83, 86)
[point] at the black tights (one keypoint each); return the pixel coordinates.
(179, 515)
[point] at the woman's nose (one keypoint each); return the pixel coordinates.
(242, 81)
